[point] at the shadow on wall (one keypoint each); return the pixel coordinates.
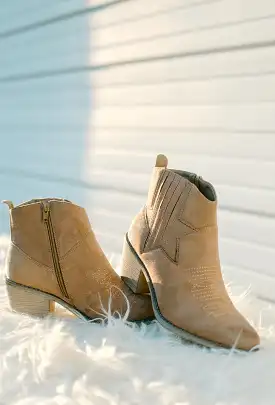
(45, 114)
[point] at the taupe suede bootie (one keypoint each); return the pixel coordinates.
(171, 251)
(54, 257)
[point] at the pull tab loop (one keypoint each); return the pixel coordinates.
(9, 203)
(161, 161)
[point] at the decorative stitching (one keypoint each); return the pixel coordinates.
(158, 190)
(166, 254)
(188, 225)
(201, 268)
(144, 212)
(184, 202)
(177, 250)
(152, 202)
(172, 212)
(78, 243)
(56, 239)
(175, 260)
(30, 258)
(155, 214)
(167, 205)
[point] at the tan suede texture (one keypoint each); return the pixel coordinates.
(29, 233)
(176, 237)
(94, 287)
(23, 269)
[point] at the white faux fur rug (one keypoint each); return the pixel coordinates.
(64, 361)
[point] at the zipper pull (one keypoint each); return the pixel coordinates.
(45, 211)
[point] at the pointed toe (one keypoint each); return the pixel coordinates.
(248, 338)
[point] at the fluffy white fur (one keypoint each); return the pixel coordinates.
(64, 361)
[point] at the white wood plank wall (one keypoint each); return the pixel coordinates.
(98, 90)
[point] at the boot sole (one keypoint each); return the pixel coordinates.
(136, 276)
(34, 302)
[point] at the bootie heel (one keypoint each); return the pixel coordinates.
(132, 270)
(28, 301)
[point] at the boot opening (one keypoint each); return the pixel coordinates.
(207, 190)
(203, 186)
(37, 200)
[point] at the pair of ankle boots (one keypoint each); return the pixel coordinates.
(170, 263)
